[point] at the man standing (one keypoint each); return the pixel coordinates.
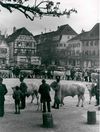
(97, 92)
(3, 92)
(44, 91)
(57, 96)
(23, 88)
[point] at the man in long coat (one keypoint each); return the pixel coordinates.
(57, 96)
(23, 88)
(44, 91)
(3, 92)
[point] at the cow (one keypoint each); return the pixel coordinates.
(61, 74)
(71, 89)
(31, 91)
(91, 90)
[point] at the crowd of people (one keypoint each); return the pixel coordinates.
(72, 73)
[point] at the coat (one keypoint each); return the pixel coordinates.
(3, 91)
(23, 88)
(44, 91)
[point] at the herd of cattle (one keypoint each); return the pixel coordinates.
(68, 88)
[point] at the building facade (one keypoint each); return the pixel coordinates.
(51, 46)
(83, 50)
(4, 53)
(22, 46)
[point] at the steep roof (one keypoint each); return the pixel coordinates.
(94, 32)
(66, 29)
(21, 31)
(79, 36)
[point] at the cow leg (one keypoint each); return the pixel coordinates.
(37, 97)
(78, 101)
(90, 99)
(82, 97)
(62, 103)
(32, 98)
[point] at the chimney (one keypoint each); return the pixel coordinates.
(58, 27)
(14, 29)
(82, 31)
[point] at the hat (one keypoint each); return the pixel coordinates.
(21, 78)
(43, 81)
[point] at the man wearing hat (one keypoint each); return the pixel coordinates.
(44, 91)
(23, 88)
(3, 91)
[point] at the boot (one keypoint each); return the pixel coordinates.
(54, 105)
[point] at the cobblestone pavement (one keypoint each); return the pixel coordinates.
(68, 118)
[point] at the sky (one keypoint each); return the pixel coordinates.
(87, 16)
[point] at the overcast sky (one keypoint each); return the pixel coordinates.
(86, 18)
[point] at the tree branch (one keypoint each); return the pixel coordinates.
(33, 11)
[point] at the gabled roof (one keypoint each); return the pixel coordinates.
(21, 31)
(79, 36)
(66, 29)
(94, 32)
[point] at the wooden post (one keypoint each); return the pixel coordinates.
(47, 120)
(91, 117)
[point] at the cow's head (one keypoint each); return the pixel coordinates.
(90, 85)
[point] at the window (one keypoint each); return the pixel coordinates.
(91, 43)
(94, 52)
(95, 43)
(3, 50)
(64, 45)
(87, 43)
(77, 52)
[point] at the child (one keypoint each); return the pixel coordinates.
(17, 97)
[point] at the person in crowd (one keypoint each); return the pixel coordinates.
(3, 92)
(44, 90)
(89, 75)
(57, 96)
(17, 97)
(97, 91)
(23, 88)
(68, 74)
(86, 76)
(72, 73)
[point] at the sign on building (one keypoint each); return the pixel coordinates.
(35, 60)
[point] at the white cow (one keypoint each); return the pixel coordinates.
(71, 89)
(31, 91)
(59, 73)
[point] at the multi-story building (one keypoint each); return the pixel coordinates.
(91, 47)
(83, 50)
(51, 46)
(4, 52)
(74, 50)
(22, 46)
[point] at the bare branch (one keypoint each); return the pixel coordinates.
(33, 11)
